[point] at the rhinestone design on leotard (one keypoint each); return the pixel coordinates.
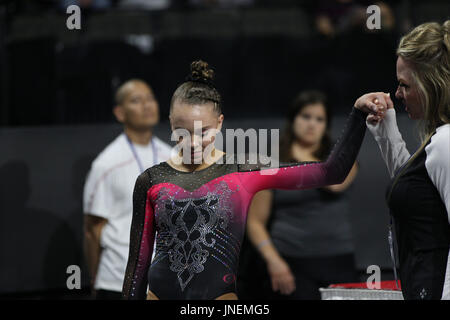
(188, 230)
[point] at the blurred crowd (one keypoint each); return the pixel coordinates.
(331, 17)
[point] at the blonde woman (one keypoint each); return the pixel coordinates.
(419, 193)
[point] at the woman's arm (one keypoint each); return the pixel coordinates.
(142, 237)
(389, 140)
(438, 163)
(319, 174)
(337, 188)
(93, 227)
(258, 215)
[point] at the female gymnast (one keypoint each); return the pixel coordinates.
(419, 193)
(199, 210)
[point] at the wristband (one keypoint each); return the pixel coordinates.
(263, 243)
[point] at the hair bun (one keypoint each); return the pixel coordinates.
(201, 72)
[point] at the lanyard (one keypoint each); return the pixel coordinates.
(391, 247)
(136, 156)
(399, 172)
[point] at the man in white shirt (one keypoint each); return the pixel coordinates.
(108, 192)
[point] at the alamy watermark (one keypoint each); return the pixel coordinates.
(74, 279)
(374, 280)
(374, 18)
(73, 22)
(193, 150)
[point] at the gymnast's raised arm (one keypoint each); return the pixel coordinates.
(307, 175)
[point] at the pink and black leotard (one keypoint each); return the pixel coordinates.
(200, 217)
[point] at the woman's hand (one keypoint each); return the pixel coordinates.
(281, 276)
(375, 103)
(374, 119)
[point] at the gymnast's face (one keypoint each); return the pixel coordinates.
(201, 122)
(407, 90)
(310, 124)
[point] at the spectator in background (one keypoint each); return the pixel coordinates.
(339, 16)
(108, 192)
(309, 242)
(387, 16)
(145, 4)
(86, 4)
(221, 3)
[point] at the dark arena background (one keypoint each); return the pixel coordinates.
(57, 93)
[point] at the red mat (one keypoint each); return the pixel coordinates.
(384, 285)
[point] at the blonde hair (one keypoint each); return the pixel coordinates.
(427, 48)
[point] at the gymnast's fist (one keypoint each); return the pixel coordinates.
(374, 119)
(374, 103)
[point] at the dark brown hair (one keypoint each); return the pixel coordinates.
(302, 100)
(198, 88)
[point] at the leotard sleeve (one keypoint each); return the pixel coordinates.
(305, 175)
(142, 237)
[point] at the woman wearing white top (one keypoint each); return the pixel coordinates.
(419, 193)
